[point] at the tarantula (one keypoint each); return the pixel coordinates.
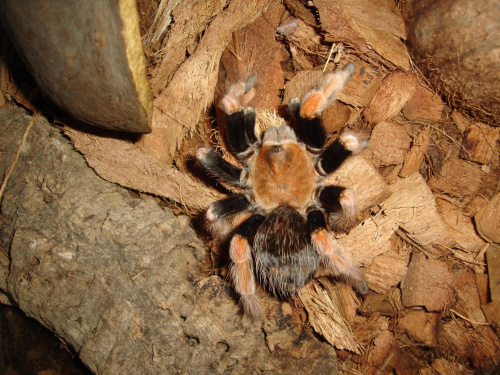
(279, 226)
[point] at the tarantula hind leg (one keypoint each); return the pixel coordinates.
(223, 214)
(342, 205)
(241, 270)
(332, 257)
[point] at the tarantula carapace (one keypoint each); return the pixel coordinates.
(279, 225)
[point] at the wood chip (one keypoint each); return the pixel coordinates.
(326, 317)
(493, 259)
(421, 327)
(131, 167)
(373, 28)
(457, 178)
(425, 105)
(388, 145)
(396, 89)
(428, 283)
(413, 205)
(479, 143)
(386, 271)
(462, 229)
(415, 156)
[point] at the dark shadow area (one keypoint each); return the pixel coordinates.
(26, 347)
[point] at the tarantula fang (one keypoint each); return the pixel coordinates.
(279, 225)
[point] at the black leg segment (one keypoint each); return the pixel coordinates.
(309, 131)
(220, 168)
(241, 130)
(333, 156)
(226, 208)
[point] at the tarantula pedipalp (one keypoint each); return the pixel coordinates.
(280, 225)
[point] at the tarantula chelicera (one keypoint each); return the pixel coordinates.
(279, 225)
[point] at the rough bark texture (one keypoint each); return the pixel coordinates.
(116, 276)
(86, 57)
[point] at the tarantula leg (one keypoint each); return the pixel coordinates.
(240, 120)
(222, 215)
(241, 270)
(241, 130)
(334, 155)
(241, 274)
(331, 254)
(238, 95)
(219, 167)
(318, 99)
(342, 205)
(309, 131)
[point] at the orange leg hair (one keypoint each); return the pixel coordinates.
(242, 276)
(336, 262)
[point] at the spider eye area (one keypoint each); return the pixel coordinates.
(276, 148)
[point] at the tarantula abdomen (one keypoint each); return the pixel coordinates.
(286, 260)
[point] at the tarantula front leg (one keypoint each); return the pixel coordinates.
(241, 270)
(307, 111)
(220, 168)
(240, 120)
(334, 155)
(331, 255)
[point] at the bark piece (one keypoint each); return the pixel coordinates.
(421, 327)
(373, 28)
(460, 120)
(413, 205)
(326, 317)
(415, 156)
(463, 230)
(428, 283)
(133, 167)
(394, 92)
(386, 271)
(388, 145)
(493, 260)
(189, 21)
(457, 178)
(298, 9)
(479, 143)
(469, 303)
(379, 303)
(488, 220)
(480, 346)
(425, 105)
(492, 312)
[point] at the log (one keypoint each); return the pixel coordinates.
(116, 276)
(86, 57)
(461, 65)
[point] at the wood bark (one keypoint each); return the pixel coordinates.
(116, 276)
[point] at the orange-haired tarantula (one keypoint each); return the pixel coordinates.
(279, 226)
